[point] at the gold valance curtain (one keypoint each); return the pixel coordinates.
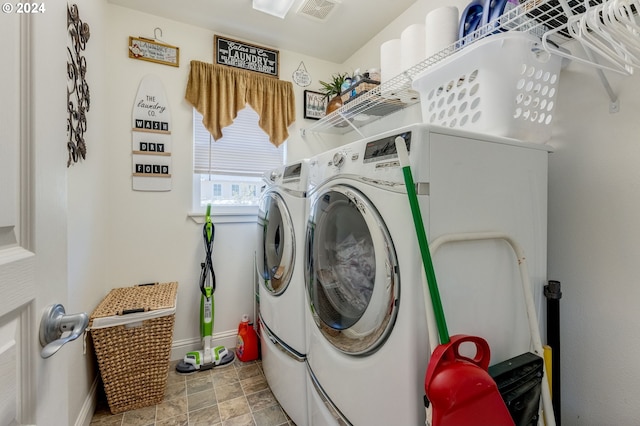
(219, 92)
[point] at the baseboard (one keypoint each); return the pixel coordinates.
(181, 347)
(89, 405)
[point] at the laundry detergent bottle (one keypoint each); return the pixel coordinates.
(247, 341)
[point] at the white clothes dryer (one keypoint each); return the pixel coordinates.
(367, 340)
(280, 261)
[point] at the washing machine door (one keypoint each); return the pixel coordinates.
(351, 271)
(276, 247)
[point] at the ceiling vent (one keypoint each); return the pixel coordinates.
(318, 10)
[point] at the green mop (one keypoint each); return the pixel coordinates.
(207, 357)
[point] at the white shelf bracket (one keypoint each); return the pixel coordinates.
(614, 103)
(351, 124)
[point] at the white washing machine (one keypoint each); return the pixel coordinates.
(367, 341)
(280, 261)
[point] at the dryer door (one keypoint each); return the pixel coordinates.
(277, 246)
(351, 271)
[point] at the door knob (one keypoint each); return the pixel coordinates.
(55, 323)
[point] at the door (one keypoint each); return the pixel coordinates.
(351, 271)
(16, 308)
(17, 262)
(32, 212)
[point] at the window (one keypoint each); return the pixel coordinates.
(217, 190)
(228, 172)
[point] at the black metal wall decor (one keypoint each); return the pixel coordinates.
(78, 99)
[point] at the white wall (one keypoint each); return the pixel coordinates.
(88, 213)
(150, 236)
(594, 242)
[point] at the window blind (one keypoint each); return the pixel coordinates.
(243, 150)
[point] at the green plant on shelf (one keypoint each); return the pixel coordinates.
(333, 87)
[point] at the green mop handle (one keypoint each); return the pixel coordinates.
(207, 305)
(403, 156)
(208, 224)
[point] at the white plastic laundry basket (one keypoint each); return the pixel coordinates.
(503, 85)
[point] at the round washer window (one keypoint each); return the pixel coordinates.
(276, 250)
(351, 270)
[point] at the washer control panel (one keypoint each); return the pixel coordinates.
(385, 148)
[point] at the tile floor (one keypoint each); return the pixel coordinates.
(233, 395)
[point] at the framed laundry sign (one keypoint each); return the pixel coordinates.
(246, 56)
(153, 51)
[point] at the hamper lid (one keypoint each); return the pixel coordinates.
(132, 304)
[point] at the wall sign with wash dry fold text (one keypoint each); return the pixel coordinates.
(150, 50)
(151, 137)
(246, 56)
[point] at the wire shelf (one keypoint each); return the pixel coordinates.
(536, 17)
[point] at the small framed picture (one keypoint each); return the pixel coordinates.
(315, 105)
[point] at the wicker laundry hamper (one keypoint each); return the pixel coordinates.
(132, 332)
